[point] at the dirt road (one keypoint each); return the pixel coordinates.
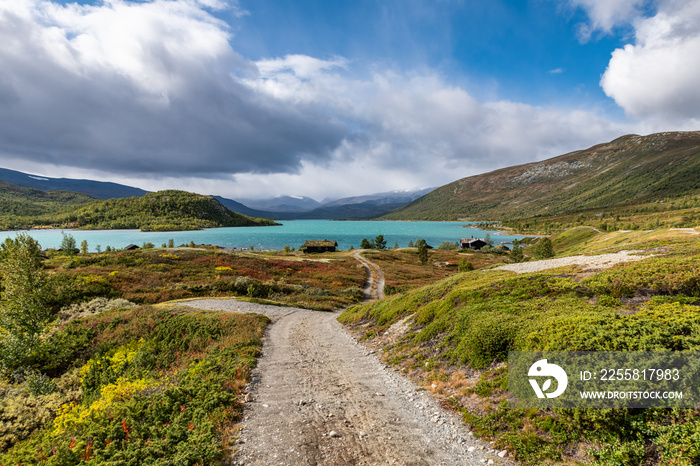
(374, 285)
(320, 398)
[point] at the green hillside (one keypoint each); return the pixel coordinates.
(630, 170)
(161, 211)
(454, 336)
(25, 207)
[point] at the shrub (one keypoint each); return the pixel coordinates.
(25, 317)
(465, 266)
(544, 249)
(86, 309)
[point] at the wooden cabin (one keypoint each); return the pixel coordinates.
(472, 243)
(321, 245)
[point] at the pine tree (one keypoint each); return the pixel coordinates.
(422, 251)
(544, 249)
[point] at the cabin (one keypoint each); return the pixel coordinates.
(322, 245)
(131, 247)
(472, 243)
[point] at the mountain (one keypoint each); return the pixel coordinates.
(287, 207)
(630, 170)
(369, 206)
(161, 211)
(245, 210)
(380, 199)
(282, 204)
(97, 189)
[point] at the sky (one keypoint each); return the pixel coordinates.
(326, 99)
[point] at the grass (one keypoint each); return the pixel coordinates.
(151, 276)
(142, 385)
(458, 331)
(403, 271)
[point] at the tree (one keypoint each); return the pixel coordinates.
(380, 242)
(68, 244)
(171, 243)
(544, 249)
(410, 243)
(365, 244)
(516, 254)
(489, 241)
(422, 251)
(396, 245)
(84, 247)
(24, 315)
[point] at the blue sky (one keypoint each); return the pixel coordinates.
(257, 98)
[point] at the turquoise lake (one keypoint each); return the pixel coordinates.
(292, 233)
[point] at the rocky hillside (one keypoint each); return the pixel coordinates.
(627, 171)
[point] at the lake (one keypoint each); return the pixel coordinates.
(292, 233)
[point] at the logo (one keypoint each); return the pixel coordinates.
(542, 368)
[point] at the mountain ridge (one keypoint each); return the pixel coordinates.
(629, 170)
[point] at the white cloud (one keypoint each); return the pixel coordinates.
(142, 87)
(657, 76)
(153, 92)
(605, 15)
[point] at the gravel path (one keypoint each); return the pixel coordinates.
(374, 286)
(601, 261)
(318, 397)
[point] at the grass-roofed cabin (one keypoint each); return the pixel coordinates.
(321, 245)
(472, 243)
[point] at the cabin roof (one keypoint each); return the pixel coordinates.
(320, 243)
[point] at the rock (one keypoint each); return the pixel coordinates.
(266, 406)
(490, 462)
(502, 454)
(471, 449)
(248, 398)
(333, 434)
(363, 434)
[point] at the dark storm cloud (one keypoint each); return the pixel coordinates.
(148, 88)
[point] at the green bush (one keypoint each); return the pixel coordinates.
(156, 385)
(25, 317)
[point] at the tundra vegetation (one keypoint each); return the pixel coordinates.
(458, 332)
(106, 371)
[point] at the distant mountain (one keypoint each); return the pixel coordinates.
(368, 206)
(281, 204)
(630, 170)
(98, 189)
(245, 210)
(379, 199)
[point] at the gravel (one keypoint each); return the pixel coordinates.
(601, 261)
